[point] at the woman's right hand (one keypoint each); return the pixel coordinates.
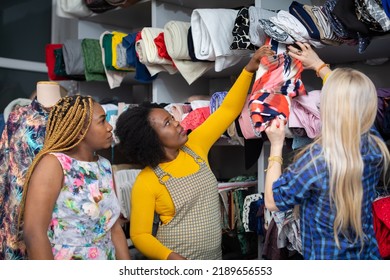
(254, 62)
(308, 57)
(276, 133)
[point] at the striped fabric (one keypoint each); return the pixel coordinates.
(271, 91)
(124, 180)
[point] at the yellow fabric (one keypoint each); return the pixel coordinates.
(148, 195)
(117, 39)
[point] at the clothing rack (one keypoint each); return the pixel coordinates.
(234, 185)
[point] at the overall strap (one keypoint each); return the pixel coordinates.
(197, 158)
(164, 176)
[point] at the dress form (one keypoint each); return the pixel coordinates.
(48, 93)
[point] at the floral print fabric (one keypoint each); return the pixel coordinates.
(85, 211)
(21, 140)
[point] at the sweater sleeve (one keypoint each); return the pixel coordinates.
(204, 136)
(143, 203)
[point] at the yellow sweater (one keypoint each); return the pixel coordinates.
(148, 195)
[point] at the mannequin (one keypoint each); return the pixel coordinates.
(48, 93)
(26, 128)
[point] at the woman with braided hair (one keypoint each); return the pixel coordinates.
(69, 209)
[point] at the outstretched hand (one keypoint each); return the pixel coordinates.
(308, 57)
(254, 63)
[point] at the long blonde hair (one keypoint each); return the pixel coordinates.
(348, 110)
(66, 127)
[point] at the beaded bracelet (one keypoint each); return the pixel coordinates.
(272, 159)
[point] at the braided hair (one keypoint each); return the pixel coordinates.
(68, 123)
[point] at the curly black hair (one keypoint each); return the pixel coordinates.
(138, 141)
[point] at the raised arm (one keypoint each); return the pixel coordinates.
(216, 124)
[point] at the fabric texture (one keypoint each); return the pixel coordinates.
(73, 57)
(294, 28)
(148, 52)
(85, 211)
(113, 76)
(381, 213)
(50, 59)
(22, 138)
(195, 118)
(212, 36)
(241, 40)
(98, 6)
(305, 113)
(92, 53)
(195, 231)
(14, 104)
(175, 37)
(72, 9)
(141, 72)
(257, 35)
(277, 80)
(297, 10)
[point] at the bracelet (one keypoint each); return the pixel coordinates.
(319, 68)
(276, 158)
(273, 159)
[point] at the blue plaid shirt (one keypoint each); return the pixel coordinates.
(305, 183)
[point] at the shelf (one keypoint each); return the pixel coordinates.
(139, 15)
(378, 48)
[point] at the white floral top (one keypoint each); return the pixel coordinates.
(85, 211)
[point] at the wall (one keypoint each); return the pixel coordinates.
(25, 29)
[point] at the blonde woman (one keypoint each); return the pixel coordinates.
(334, 178)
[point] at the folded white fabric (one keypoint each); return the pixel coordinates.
(212, 36)
(175, 37)
(257, 35)
(114, 78)
(141, 53)
(294, 27)
(72, 9)
(150, 50)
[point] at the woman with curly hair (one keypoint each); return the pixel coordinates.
(176, 182)
(69, 209)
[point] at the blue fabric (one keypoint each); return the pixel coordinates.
(297, 10)
(141, 72)
(2, 124)
(305, 183)
(386, 7)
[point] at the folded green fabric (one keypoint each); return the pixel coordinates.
(92, 53)
(59, 66)
(107, 47)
